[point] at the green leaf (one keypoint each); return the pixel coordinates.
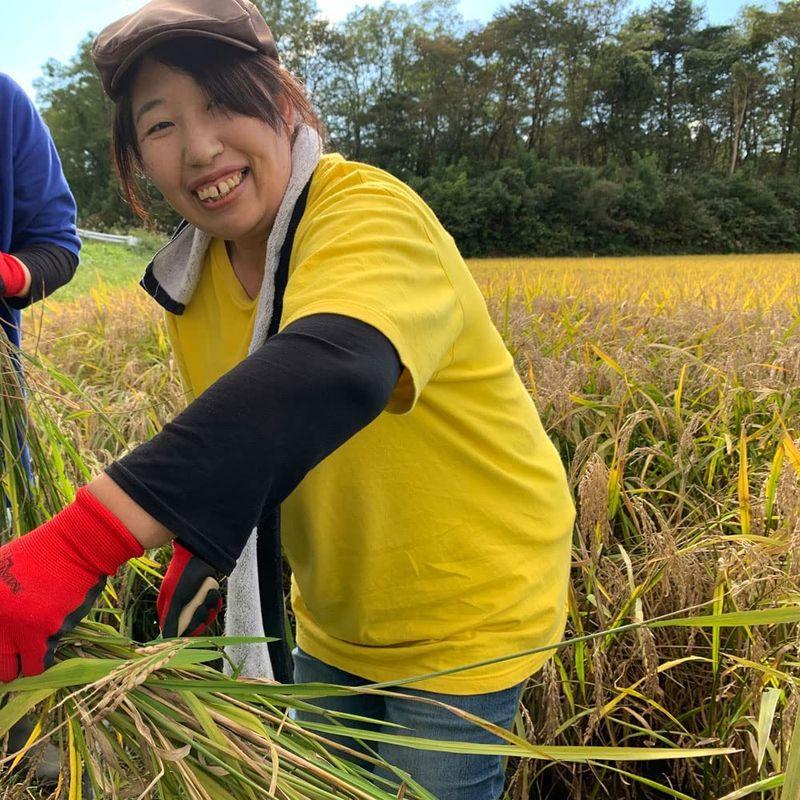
(71, 672)
(766, 714)
(733, 619)
(17, 707)
(791, 786)
(752, 788)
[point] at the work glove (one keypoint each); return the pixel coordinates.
(189, 599)
(51, 577)
(12, 275)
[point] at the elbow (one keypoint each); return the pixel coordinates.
(71, 262)
(370, 389)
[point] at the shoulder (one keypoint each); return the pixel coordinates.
(344, 191)
(12, 94)
(16, 106)
(8, 86)
(337, 178)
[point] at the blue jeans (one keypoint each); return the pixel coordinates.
(448, 776)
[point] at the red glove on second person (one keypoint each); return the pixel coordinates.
(51, 577)
(12, 275)
(189, 600)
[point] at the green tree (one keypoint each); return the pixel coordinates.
(300, 33)
(786, 23)
(524, 51)
(560, 126)
(675, 27)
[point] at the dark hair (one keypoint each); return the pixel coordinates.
(240, 81)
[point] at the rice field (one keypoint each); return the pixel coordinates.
(671, 387)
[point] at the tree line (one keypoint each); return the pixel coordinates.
(559, 127)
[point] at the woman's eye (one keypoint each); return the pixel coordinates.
(159, 126)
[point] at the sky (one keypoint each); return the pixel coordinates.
(32, 31)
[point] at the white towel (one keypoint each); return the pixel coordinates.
(243, 614)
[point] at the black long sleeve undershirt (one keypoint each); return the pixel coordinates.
(50, 267)
(246, 442)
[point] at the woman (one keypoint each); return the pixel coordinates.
(345, 369)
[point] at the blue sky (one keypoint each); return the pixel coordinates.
(34, 30)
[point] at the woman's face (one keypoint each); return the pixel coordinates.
(226, 173)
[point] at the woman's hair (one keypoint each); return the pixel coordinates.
(242, 82)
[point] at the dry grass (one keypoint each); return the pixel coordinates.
(113, 344)
(672, 389)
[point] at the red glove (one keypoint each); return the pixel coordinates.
(51, 577)
(189, 599)
(12, 275)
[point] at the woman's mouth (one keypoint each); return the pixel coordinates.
(217, 193)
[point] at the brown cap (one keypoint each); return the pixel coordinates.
(236, 22)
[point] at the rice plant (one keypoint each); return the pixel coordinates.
(160, 719)
(670, 386)
(672, 389)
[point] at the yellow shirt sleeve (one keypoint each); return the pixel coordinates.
(363, 250)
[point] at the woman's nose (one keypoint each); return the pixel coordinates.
(201, 145)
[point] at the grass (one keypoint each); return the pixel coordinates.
(101, 264)
(671, 387)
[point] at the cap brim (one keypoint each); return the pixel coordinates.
(152, 41)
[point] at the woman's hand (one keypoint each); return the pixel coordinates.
(189, 600)
(51, 577)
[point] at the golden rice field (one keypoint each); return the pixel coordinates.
(671, 387)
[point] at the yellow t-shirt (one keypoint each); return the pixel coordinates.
(213, 334)
(439, 535)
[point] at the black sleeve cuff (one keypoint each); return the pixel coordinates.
(50, 267)
(190, 537)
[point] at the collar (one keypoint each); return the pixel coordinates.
(172, 276)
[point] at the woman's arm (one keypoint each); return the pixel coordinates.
(147, 530)
(44, 237)
(250, 438)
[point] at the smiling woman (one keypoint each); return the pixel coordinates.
(221, 80)
(212, 127)
(197, 136)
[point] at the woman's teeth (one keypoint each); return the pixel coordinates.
(219, 190)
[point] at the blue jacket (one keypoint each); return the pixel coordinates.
(36, 205)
